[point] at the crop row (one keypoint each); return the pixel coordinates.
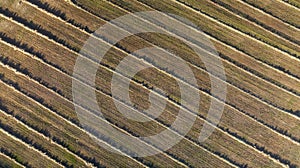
(243, 25)
(60, 104)
(279, 10)
(262, 94)
(269, 96)
(60, 132)
(23, 154)
(217, 30)
(268, 87)
(7, 162)
(293, 2)
(288, 83)
(259, 17)
(44, 145)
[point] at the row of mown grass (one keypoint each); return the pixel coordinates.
(22, 154)
(288, 103)
(102, 72)
(261, 18)
(8, 162)
(279, 10)
(55, 152)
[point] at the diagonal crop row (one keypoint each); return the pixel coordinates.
(259, 17)
(279, 10)
(287, 110)
(7, 162)
(263, 99)
(37, 99)
(26, 154)
(244, 26)
(261, 69)
(293, 2)
(12, 107)
(45, 146)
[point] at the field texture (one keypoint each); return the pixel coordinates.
(258, 45)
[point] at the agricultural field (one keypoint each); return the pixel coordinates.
(47, 112)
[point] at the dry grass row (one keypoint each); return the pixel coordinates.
(22, 153)
(256, 15)
(242, 150)
(278, 9)
(280, 79)
(61, 132)
(285, 103)
(267, 108)
(51, 73)
(61, 103)
(54, 151)
(7, 162)
(239, 41)
(243, 25)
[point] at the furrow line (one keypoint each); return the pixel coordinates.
(259, 24)
(67, 121)
(13, 160)
(236, 30)
(265, 124)
(33, 130)
(30, 147)
(108, 96)
(229, 83)
(270, 13)
(291, 3)
(233, 137)
(258, 98)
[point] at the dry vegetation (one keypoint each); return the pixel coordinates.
(40, 41)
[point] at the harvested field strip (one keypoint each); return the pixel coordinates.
(234, 38)
(219, 46)
(279, 101)
(278, 9)
(64, 103)
(254, 29)
(30, 137)
(68, 136)
(71, 104)
(67, 115)
(293, 2)
(280, 78)
(261, 18)
(22, 152)
(49, 107)
(8, 162)
(287, 108)
(243, 25)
